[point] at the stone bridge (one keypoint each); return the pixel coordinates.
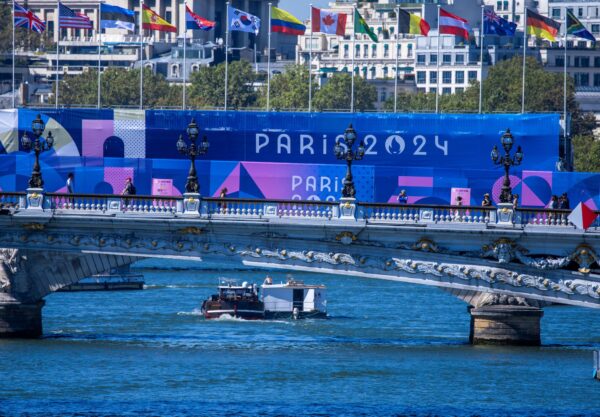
(505, 263)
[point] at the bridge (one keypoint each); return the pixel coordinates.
(505, 263)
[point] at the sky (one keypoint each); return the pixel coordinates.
(300, 8)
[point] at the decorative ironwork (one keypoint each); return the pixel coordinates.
(39, 145)
(191, 185)
(349, 155)
(507, 161)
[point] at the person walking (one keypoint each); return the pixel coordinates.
(554, 202)
(402, 197)
(563, 202)
(70, 183)
(515, 201)
(128, 190)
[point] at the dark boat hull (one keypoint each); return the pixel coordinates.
(247, 310)
(290, 315)
(103, 286)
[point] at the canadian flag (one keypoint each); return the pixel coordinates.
(582, 216)
(325, 21)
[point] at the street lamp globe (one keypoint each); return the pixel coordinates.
(181, 146)
(350, 136)
(494, 153)
(37, 126)
(204, 144)
(507, 140)
(50, 140)
(26, 142)
(518, 155)
(192, 130)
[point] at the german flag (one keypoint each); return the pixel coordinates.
(411, 23)
(541, 26)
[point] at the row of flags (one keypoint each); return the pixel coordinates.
(323, 21)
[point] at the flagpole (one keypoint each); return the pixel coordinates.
(481, 61)
(269, 61)
(353, 51)
(397, 56)
(226, 50)
(565, 91)
(310, 61)
(184, 66)
(141, 54)
(437, 77)
(255, 63)
(57, 51)
(524, 55)
(14, 93)
(99, 64)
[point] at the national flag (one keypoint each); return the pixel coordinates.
(495, 25)
(284, 22)
(325, 21)
(195, 22)
(151, 20)
(360, 26)
(242, 21)
(67, 18)
(541, 26)
(412, 23)
(115, 17)
(582, 216)
(25, 18)
(451, 24)
(576, 28)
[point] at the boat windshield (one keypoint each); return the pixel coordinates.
(236, 293)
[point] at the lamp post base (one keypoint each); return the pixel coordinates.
(348, 208)
(191, 203)
(35, 198)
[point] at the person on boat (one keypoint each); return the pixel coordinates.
(268, 280)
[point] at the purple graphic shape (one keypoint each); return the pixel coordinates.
(281, 181)
(591, 204)
(116, 176)
(94, 134)
(412, 181)
(528, 196)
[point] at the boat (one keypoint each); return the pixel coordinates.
(292, 299)
(118, 279)
(235, 301)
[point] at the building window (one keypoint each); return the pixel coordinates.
(385, 72)
(582, 79)
(420, 58)
(596, 28)
(373, 51)
(446, 59)
(460, 77)
(498, 5)
(433, 59)
(421, 77)
(432, 77)
(459, 90)
(446, 90)
(366, 51)
(409, 50)
(383, 95)
(460, 59)
(346, 51)
(372, 72)
(433, 90)
(580, 11)
(556, 13)
(386, 50)
(505, 3)
(597, 62)
(357, 54)
(585, 61)
(472, 75)
(577, 62)
(596, 80)
(559, 61)
(447, 77)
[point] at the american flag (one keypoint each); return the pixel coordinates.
(67, 18)
(26, 18)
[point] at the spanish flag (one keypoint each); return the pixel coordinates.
(412, 23)
(541, 26)
(151, 20)
(284, 22)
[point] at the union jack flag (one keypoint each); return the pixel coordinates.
(26, 18)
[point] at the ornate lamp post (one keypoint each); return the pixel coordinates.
(349, 155)
(38, 146)
(507, 161)
(191, 185)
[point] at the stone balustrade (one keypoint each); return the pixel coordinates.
(209, 207)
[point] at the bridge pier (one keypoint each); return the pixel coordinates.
(505, 325)
(21, 319)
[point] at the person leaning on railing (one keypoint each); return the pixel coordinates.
(487, 201)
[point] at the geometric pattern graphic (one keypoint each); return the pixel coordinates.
(94, 133)
(130, 127)
(116, 177)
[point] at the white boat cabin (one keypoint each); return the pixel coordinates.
(294, 295)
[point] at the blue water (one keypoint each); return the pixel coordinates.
(387, 349)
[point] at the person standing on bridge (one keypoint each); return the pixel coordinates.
(402, 197)
(71, 183)
(487, 202)
(128, 190)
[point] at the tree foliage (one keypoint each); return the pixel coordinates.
(24, 38)
(336, 94)
(208, 86)
(586, 153)
(289, 90)
(120, 87)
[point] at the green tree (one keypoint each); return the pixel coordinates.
(24, 37)
(586, 151)
(336, 93)
(120, 87)
(289, 90)
(208, 86)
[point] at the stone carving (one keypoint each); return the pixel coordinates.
(33, 226)
(492, 299)
(502, 250)
(585, 256)
(191, 230)
(426, 245)
(346, 237)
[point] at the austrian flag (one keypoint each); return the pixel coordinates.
(453, 25)
(325, 21)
